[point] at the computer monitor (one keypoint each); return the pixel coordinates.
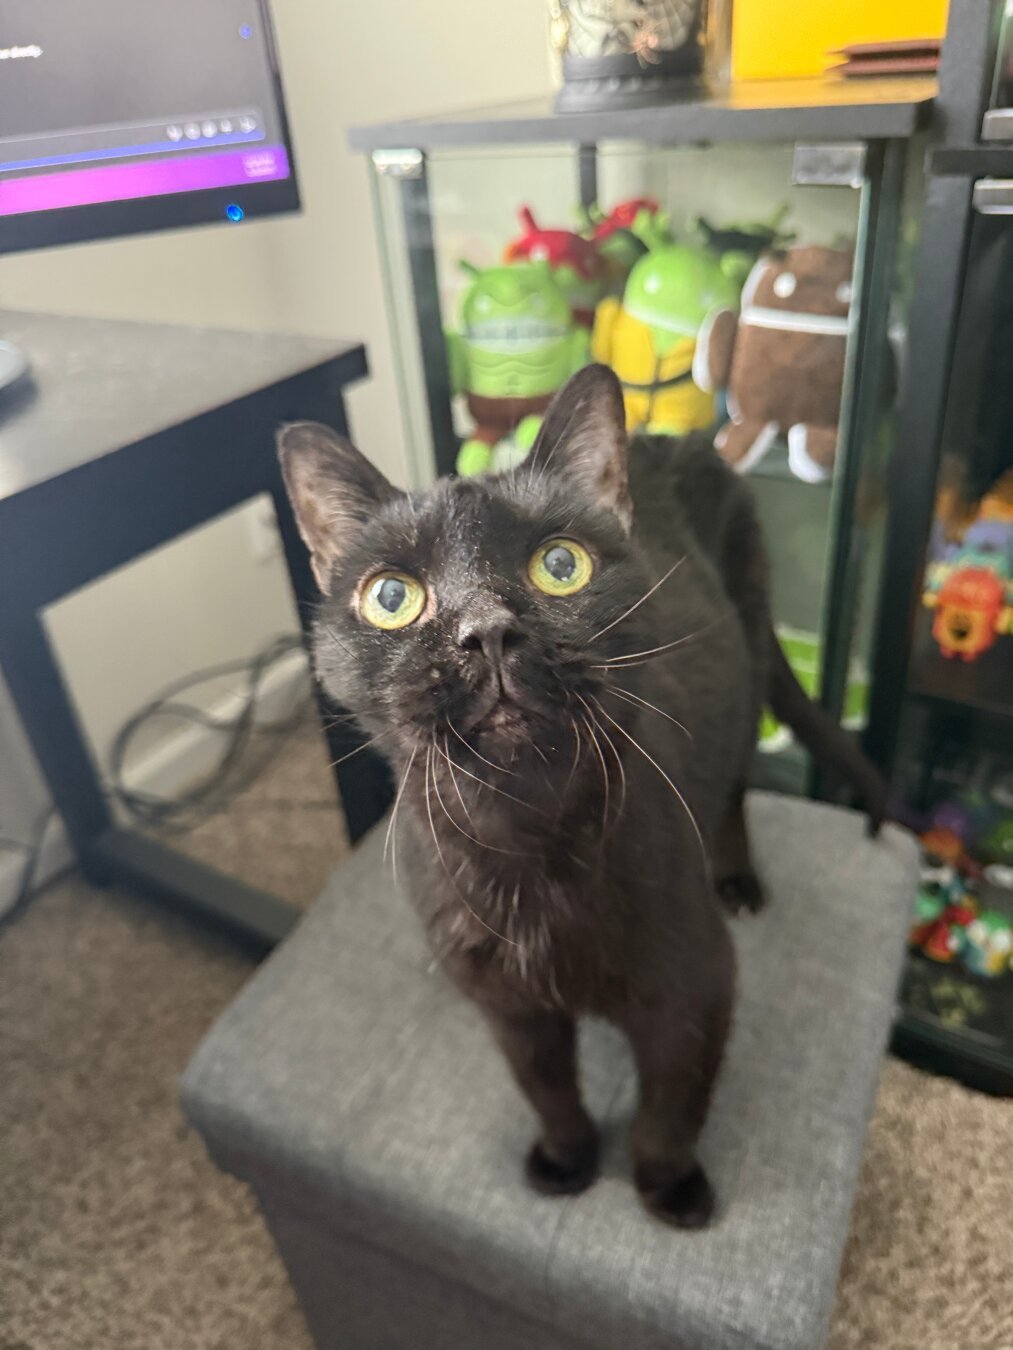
(121, 116)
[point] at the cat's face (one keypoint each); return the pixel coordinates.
(470, 617)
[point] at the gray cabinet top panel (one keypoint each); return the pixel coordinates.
(759, 110)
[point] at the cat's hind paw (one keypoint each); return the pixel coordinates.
(741, 891)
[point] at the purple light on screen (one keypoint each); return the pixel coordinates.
(245, 30)
(147, 178)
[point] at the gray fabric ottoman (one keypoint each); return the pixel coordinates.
(363, 1101)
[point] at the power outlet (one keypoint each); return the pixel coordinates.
(262, 530)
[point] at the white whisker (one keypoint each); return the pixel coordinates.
(619, 765)
(358, 749)
(576, 756)
(491, 765)
(685, 805)
(491, 847)
(635, 698)
(393, 815)
(443, 861)
(453, 776)
(647, 596)
(604, 773)
(665, 646)
(493, 788)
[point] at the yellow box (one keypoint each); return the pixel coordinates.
(778, 39)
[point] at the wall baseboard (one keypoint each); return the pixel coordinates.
(171, 764)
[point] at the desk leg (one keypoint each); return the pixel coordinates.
(56, 737)
(105, 852)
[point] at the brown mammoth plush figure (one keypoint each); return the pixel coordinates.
(781, 359)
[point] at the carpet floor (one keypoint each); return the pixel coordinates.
(117, 1233)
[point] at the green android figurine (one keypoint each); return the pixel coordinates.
(737, 247)
(650, 338)
(517, 344)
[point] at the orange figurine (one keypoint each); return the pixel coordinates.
(969, 612)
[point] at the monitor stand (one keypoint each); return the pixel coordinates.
(13, 365)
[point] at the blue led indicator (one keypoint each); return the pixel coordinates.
(245, 30)
(234, 212)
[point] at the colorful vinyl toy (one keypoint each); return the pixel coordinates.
(650, 338)
(781, 359)
(574, 260)
(988, 944)
(617, 238)
(970, 611)
(516, 345)
(738, 247)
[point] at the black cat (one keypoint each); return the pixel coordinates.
(565, 666)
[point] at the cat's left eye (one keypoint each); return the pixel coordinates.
(391, 600)
(560, 567)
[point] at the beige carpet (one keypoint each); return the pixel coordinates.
(117, 1232)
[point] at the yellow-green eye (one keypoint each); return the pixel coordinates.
(392, 600)
(560, 567)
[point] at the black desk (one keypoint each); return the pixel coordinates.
(129, 435)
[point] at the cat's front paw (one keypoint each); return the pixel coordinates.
(687, 1203)
(742, 891)
(566, 1171)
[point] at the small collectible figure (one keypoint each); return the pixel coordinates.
(945, 845)
(650, 339)
(618, 240)
(945, 939)
(970, 612)
(988, 944)
(928, 909)
(989, 543)
(737, 247)
(621, 53)
(969, 535)
(997, 503)
(516, 346)
(574, 260)
(782, 359)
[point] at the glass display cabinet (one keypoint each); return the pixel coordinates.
(707, 249)
(942, 704)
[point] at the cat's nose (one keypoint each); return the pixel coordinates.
(491, 634)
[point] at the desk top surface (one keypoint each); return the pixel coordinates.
(98, 385)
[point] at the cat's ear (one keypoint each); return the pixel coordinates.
(334, 491)
(583, 437)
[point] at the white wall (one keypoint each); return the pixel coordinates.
(205, 600)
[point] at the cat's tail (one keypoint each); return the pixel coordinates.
(829, 743)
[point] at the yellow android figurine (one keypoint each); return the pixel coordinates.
(650, 337)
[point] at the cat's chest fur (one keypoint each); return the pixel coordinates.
(547, 926)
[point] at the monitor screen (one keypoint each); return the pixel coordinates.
(118, 116)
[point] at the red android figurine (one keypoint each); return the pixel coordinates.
(619, 246)
(945, 939)
(623, 216)
(969, 612)
(574, 260)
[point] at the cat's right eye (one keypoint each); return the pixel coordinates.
(391, 600)
(561, 567)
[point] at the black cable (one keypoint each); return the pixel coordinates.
(241, 762)
(248, 744)
(29, 870)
